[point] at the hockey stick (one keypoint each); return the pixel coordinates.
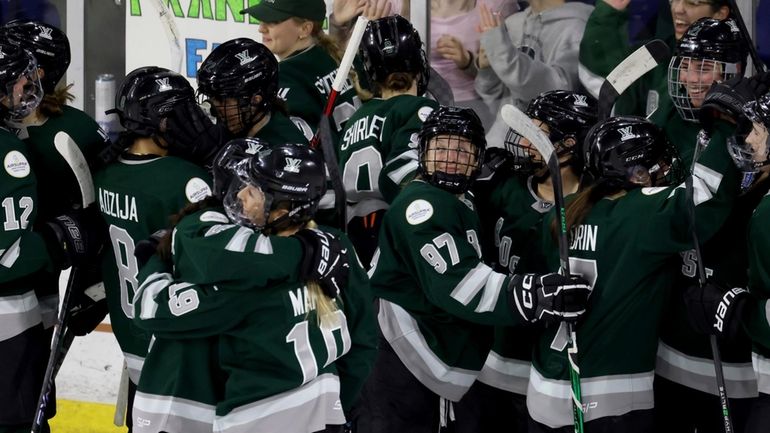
(521, 123)
(735, 13)
(122, 403)
(719, 373)
(439, 89)
(172, 34)
(71, 153)
(323, 134)
(638, 63)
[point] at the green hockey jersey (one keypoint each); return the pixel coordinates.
(378, 150)
(684, 355)
(270, 347)
(305, 79)
(757, 322)
(137, 196)
(23, 253)
(438, 299)
(511, 215)
(281, 130)
(628, 249)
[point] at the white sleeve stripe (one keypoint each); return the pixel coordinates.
(491, 293)
(409, 154)
(239, 240)
(471, 284)
(710, 177)
(216, 229)
(263, 245)
(11, 254)
(154, 284)
(399, 175)
(701, 191)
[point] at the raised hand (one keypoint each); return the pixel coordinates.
(345, 10)
(376, 9)
(489, 20)
(451, 48)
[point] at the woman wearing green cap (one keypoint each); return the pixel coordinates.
(293, 31)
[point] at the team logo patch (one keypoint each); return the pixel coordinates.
(424, 112)
(16, 164)
(254, 148)
(196, 190)
(45, 32)
(292, 165)
(163, 84)
(626, 133)
(581, 100)
(418, 212)
(244, 57)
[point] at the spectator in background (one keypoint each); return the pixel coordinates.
(344, 12)
(605, 44)
(535, 51)
(454, 46)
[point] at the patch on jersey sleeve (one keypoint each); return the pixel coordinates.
(418, 212)
(16, 164)
(424, 112)
(196, 190)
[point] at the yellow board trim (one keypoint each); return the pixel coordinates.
(84, 417)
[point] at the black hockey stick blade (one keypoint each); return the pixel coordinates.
(641, 61)
(439, 89)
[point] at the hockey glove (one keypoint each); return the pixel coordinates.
(549, 298)
(74, 238)
(714, 310)
(325, 260)
(192, 135)
(88, 303)
(147, 247)
(497, 167)
(730, 96)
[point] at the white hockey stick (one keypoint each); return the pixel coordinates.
(71, 153)
(172, 34)
(122, 402)
(641, 61)
(521, 123)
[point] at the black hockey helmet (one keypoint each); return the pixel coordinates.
(147, 95)
(710, 51)
(746, 149)
(292, 176)
(233, 152)
(47, 43)
(20, 88)
(391, 44)
(628, 152)
(568, 115)
(451, 123)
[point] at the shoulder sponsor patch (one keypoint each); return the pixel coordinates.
(196, 190)
(424, 112)
(16, 164)
(418, 212)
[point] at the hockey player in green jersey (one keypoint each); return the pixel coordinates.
(138, 192)
(606, 43)
(437, 299)
(290, 348)
(686, 393)
(239, 80)
(308, 61)
(58, 189)
(721, 309)
(378, 148)
(627, 226)
(24, 254)
(511, 203)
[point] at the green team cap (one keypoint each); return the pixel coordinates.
(275, 11)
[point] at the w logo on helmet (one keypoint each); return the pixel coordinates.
(45, 32)
(163, 84)
(292, 165)
(626, 133)
(244, 58)
(581, 100)
(254, 148)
